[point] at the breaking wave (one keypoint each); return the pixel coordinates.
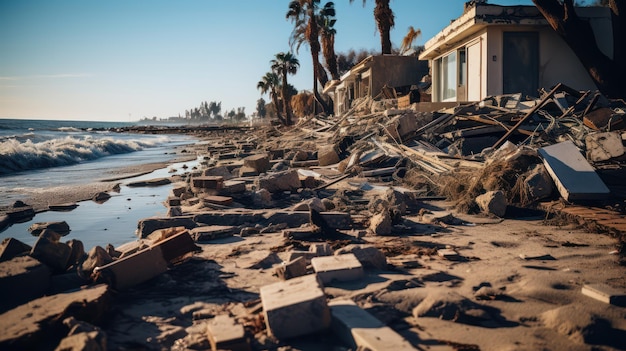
(18, 156)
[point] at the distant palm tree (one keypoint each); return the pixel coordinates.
(270, 83)
(300, 12)
(326, 20)
(409, 38)
(284, 64)
(385, 21)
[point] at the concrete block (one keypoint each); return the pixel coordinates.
(327, 155)
(321, 249)
(292, 255)
(359, 329)
(228, 218)
(172, 201)
(96, 257)
(368, 255)
(573, 175)
(61, 228)
(212, 232)
(337, 220)
(176, 246)
(493, 202)
(295, 307)
(339, 267)
(218, 200)
(279, 181)
(539, 183)
(245, 171)
(291, 269)
(219, 171)
(259, 163)
(11, 247)
(22, 279)
(605, 293)
(207, 183)
(604, 146)
(51, 252)
(380, 224)
(234, 187)
(448, 254)
(224, 333)
(300, 233)
(134, 269)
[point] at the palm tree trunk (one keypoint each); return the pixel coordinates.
(314, 45)
(608, 74)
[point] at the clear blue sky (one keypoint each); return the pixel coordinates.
(121, 60)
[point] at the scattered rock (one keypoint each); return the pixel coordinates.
(61, 228)
(493, 202)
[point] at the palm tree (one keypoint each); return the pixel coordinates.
(326, 20)
(270, 83)
(385, 21)
(409, 38)
(284, 64)
(300, 12)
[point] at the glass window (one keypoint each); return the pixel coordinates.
(462, 68)
(448, 77)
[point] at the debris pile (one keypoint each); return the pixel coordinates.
(286, 233)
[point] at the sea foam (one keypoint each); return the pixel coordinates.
(16, 155)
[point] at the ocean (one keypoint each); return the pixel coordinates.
(43, 154)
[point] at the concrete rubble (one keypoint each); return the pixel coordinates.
(330, 228)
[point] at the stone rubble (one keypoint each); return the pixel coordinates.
(315, 211)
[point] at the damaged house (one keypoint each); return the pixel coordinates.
(374, 77)
(493, 50)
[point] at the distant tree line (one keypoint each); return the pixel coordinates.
(212, 112)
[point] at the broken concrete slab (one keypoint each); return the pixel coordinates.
(146, 226)
(132, 270)
(573, 175)
(150, 182)
(212, 232)
(334, 220)
(22, 279)
(233, 187)
(360, 330)
(224, 333)
(604, 146)
(605, 293)
(300, 233)
(24, 327)
(337, 268)
(295, 307)
(61, 228)
(218, 200)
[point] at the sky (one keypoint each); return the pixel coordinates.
(123, 60)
